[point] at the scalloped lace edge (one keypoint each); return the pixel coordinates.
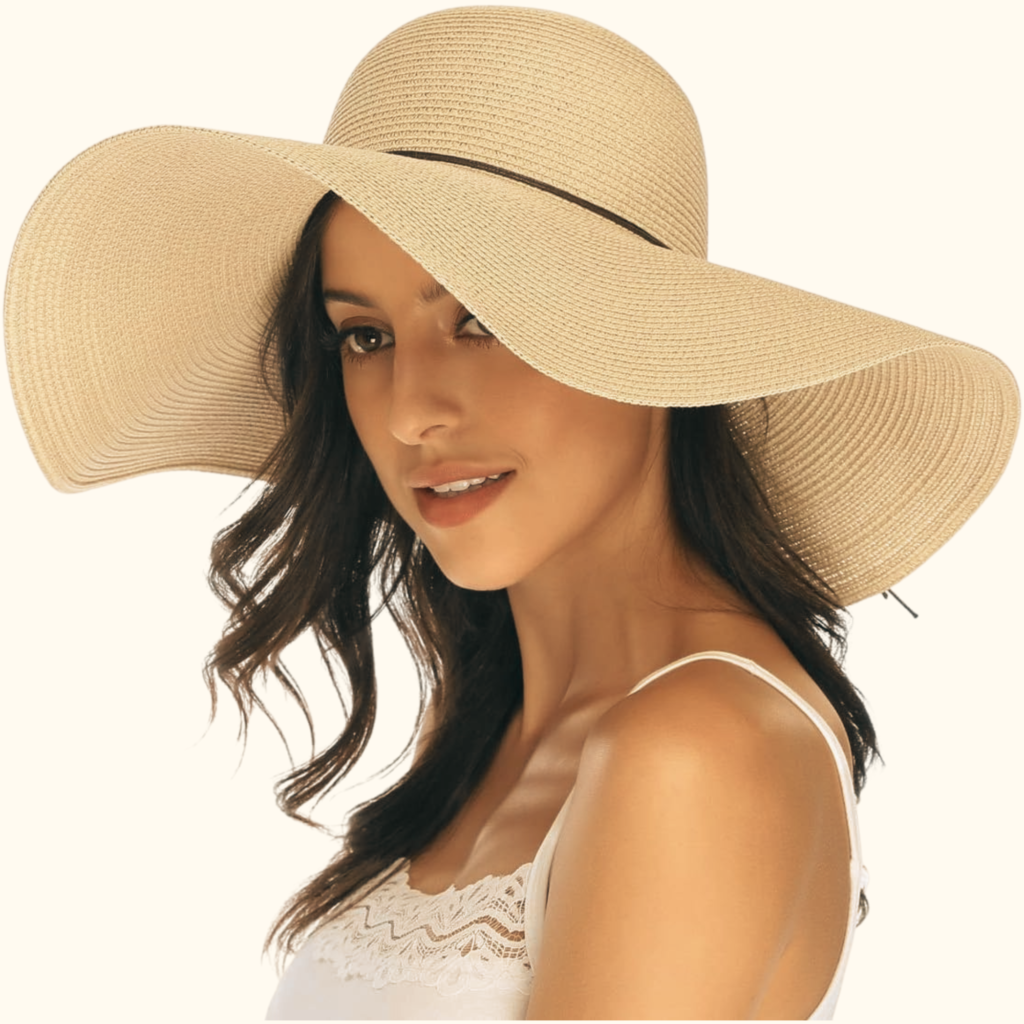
(458, 940)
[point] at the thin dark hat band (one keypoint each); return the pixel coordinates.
(534, 183)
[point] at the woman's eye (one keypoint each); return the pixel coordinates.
(364, 341)
(472, 326)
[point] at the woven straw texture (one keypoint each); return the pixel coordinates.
(882, 438)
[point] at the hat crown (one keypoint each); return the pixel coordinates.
(544, 96)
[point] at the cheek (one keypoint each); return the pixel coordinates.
(363, 404)
(595, 443)
(587, 466)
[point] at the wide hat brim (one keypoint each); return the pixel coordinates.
(142, 277)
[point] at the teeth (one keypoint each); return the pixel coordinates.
(463, 485)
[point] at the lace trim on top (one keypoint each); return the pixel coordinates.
(455, 941)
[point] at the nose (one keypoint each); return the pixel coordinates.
(426, 391)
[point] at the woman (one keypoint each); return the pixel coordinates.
(685, 588)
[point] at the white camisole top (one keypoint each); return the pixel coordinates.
(399, 954)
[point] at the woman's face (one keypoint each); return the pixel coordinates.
(436, 400)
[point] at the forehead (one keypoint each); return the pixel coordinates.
(355, 252)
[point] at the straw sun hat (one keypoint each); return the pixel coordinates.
(548, 173)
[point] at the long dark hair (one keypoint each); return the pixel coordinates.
(305, 555)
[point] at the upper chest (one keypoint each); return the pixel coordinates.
(503, 823)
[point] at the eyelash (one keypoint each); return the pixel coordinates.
(338, 338)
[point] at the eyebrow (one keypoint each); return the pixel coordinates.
(431, 293)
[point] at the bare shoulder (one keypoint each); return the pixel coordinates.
(712, 714)
(710, 741)
(701, 806)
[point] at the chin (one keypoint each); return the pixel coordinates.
(476, 573)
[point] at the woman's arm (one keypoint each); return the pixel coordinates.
(703, 805)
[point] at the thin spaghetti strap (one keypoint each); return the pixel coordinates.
(540, 869)
(536, 897)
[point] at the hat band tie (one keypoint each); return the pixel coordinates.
(533, 183)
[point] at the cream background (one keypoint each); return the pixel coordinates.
(869, 152)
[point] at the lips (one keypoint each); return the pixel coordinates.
(451, 472)
(464, 486)
(455, 507)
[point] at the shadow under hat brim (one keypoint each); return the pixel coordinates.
(144, 273)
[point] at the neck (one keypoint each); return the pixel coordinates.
(593, 622)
